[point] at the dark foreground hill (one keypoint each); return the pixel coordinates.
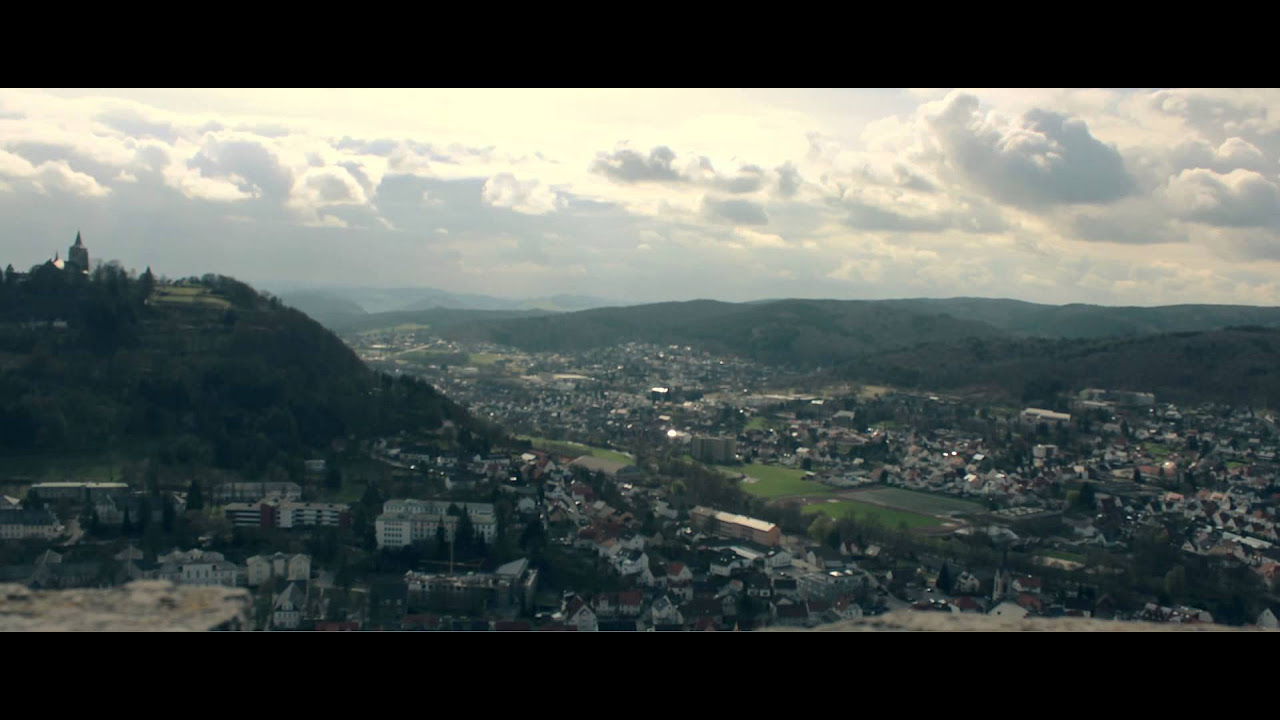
(205, 370)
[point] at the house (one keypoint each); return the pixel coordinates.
(197, 567)
(778, 559)
(664, 612)
(580, 615)
(1009, 609)
(286, 611)
(678, 572)
(261, 568)
(1268, 619)
(790, 614)
(787, 587)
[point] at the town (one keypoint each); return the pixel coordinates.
(664, 488)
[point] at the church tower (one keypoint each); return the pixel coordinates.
(78, 255)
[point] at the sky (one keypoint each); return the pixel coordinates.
(1116, 197)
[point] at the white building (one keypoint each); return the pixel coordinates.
(197, 567)
(261, 568)
(29, 524)
(404, 522)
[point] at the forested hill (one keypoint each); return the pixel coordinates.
(792, 332)
(1234, 365)
(1091, 321)
(203, 370)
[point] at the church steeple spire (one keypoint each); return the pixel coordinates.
(78, 243)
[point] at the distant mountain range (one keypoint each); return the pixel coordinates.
(336, 307)
(1021, 351)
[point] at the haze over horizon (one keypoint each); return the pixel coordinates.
(1134, 197)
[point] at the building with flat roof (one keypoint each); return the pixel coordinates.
(404, 522)
(1034, 416)
(714, 449)
(732, 525)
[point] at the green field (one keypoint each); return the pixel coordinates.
(885, 516)
(1156, 451)
(188, 295)
(759, 423)
(1065, 555)
(918, 502)
(577, 449)
(483, 359)
(772, 481)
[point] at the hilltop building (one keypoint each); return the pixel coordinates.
(77, 258)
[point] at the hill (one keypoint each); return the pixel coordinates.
(205, 370)
(1236, 365)
(1091, 321)
(786, 332)
(437, 319)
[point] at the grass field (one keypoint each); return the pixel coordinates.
(483, 359)
(188, 295)
(888, 517)
(758, 423)
(917, 502)
(1065, 555)
(1155, 450)
(577, 449)
(772, 481)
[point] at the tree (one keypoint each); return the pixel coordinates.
(944, 579)
(333, 476)
(1087, 496)
(195, 499)
(1137, 475)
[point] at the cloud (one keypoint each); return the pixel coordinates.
(529, 196)
(1240, 198)
(132, 124)
(329, 186)
(629, 166)
(749, 179)
(246, 163)
(789, 180)
(1044, 158)
(737, 212)
(1126, 228)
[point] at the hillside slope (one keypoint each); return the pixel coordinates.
(207, 370)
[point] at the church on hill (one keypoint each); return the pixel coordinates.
(77, 258)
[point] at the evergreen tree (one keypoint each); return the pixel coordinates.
(195, 499)
(333, 476)
(944, 579)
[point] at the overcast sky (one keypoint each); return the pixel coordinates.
(1137, 197)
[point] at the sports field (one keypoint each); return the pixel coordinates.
(772, 481)
(912, 501)
(565, 447)
(888, 517)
